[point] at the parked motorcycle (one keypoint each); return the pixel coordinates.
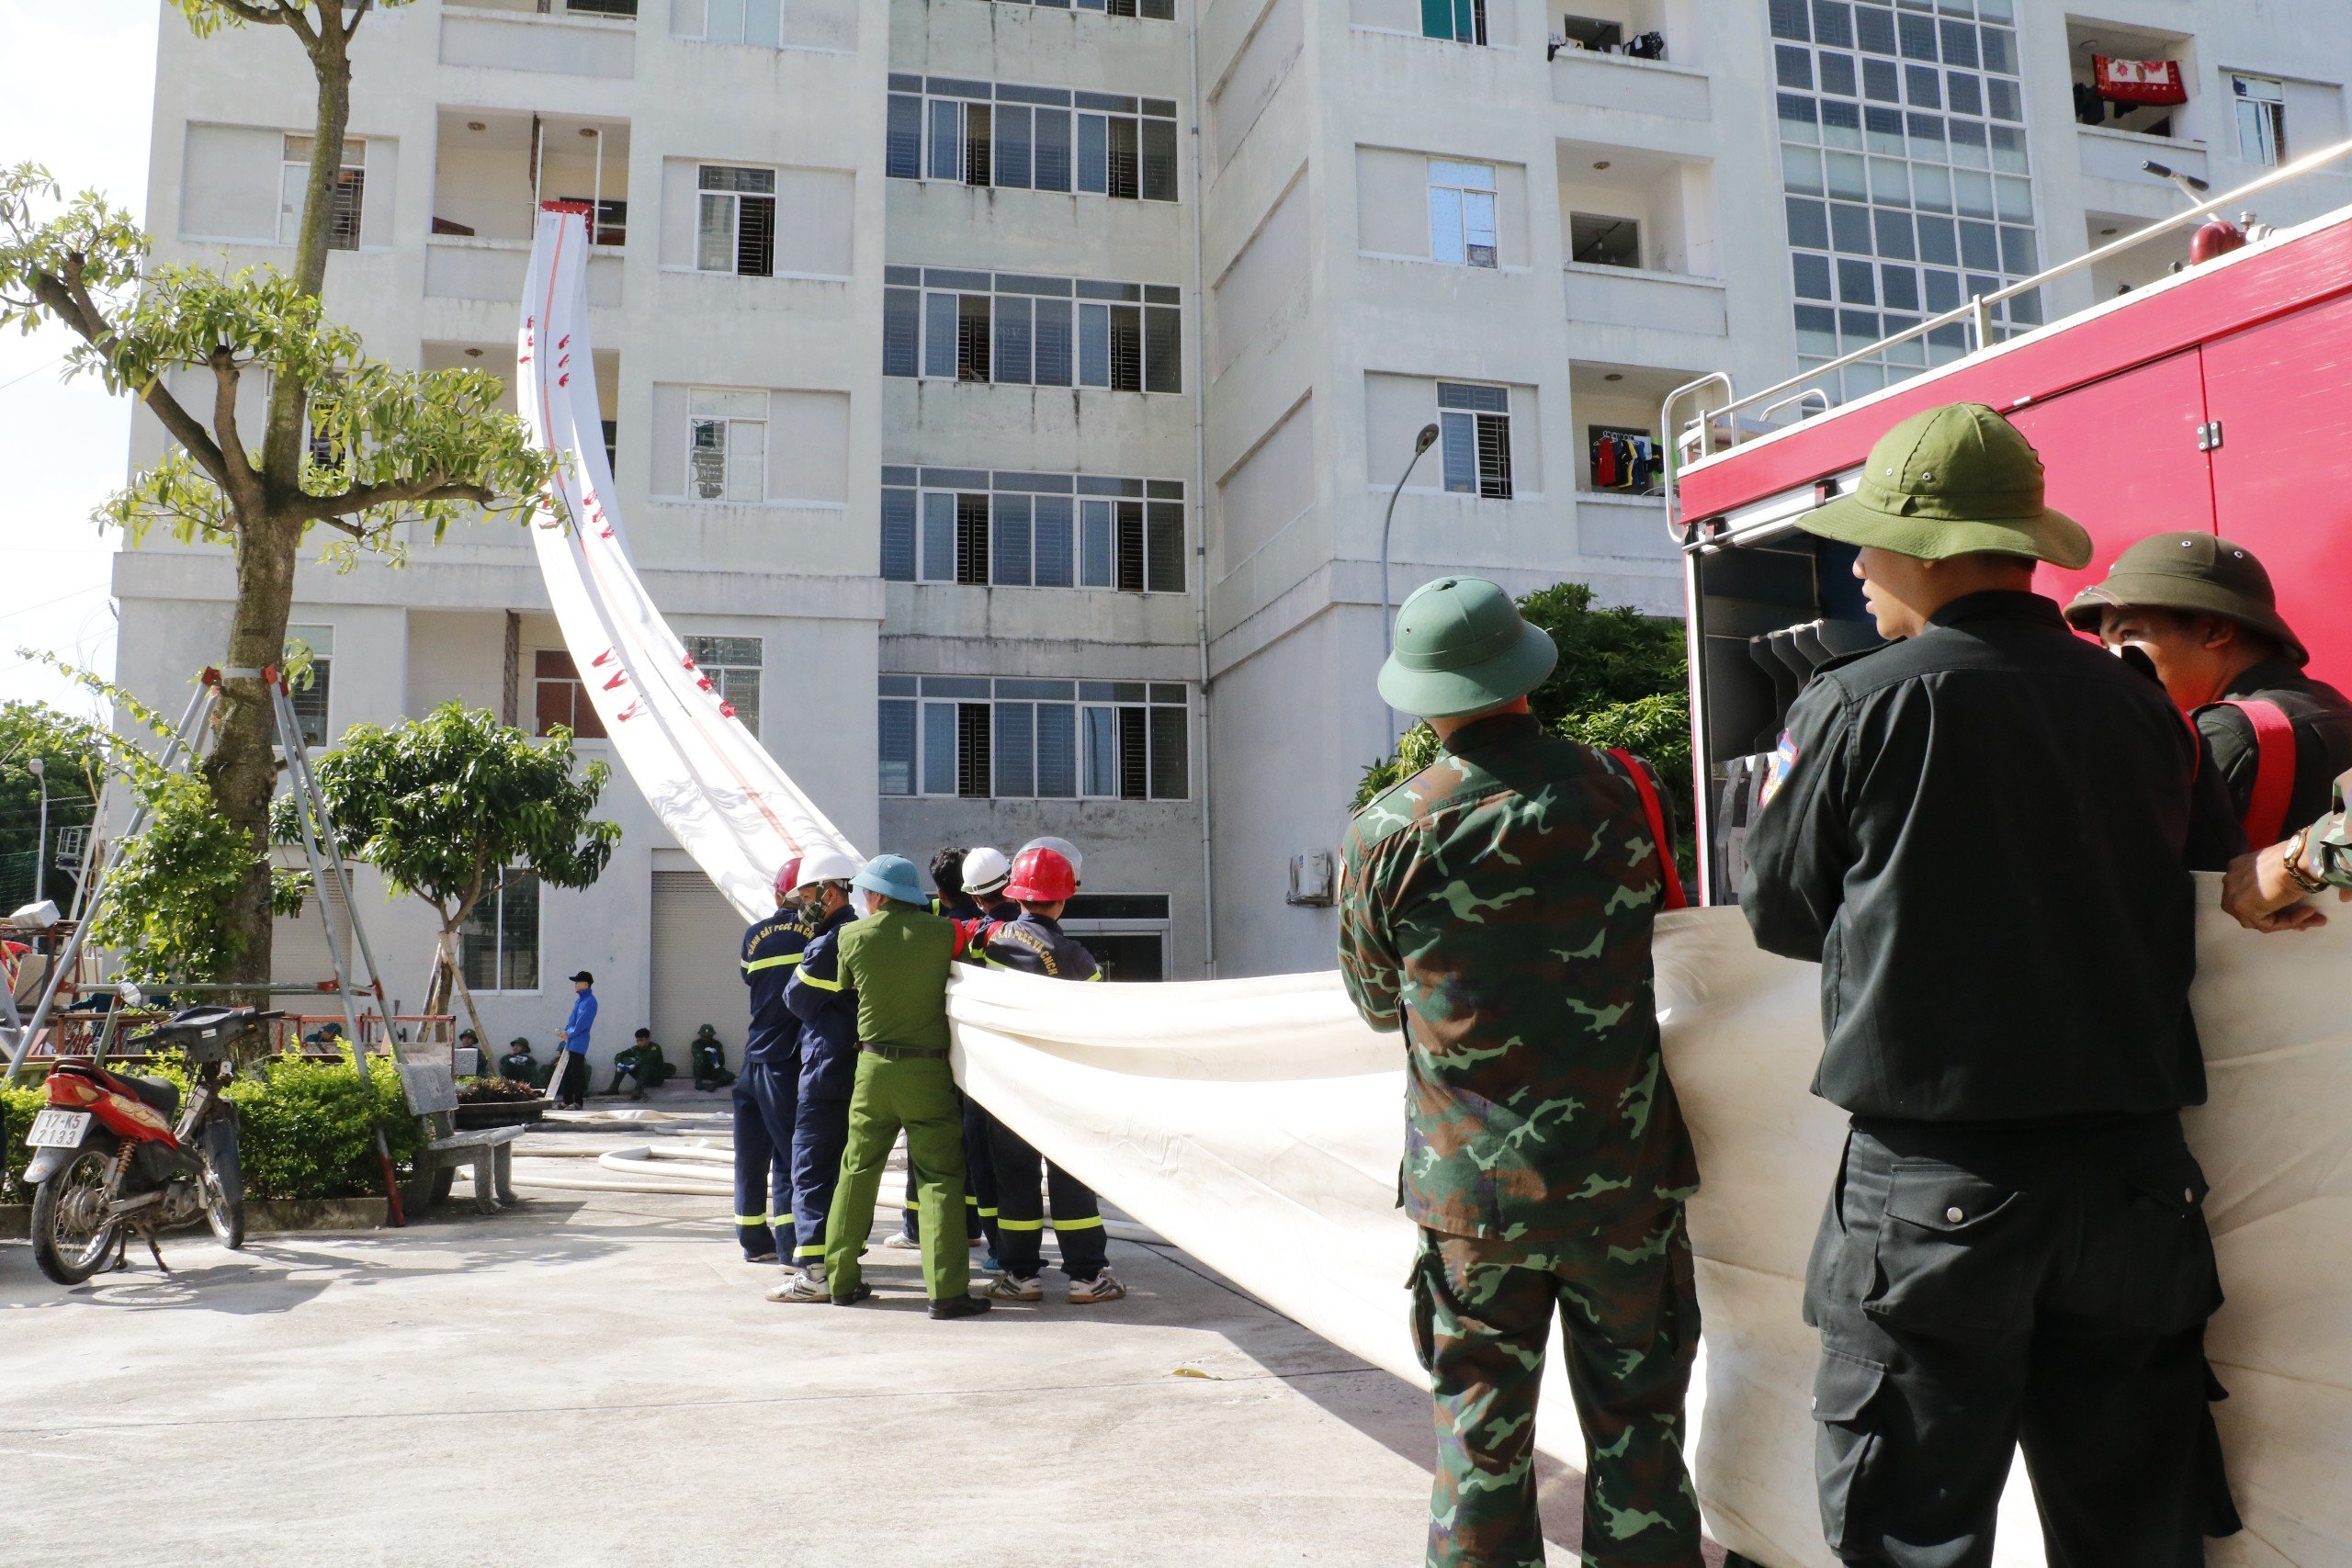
(115, 1156)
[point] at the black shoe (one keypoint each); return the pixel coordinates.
(959, 1306)
(856, 1295)
(761, 1258)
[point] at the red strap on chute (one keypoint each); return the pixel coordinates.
(1656, 816)
(2274, 770)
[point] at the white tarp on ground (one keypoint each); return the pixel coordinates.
(1258, 1124)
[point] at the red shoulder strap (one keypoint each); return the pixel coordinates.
(1657, 817)
(2274, 770)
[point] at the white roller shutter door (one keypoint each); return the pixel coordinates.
(698, 967)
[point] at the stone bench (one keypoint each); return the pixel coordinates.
(432, 1091)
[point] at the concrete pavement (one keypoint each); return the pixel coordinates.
(598, 1382)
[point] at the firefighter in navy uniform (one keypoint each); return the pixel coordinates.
(767, 1089)
(1980, 833)
(2203, 611)
(827, 1011)
(1042, 884)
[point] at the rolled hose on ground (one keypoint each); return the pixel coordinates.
(633, 1173)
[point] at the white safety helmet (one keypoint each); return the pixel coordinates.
(1063, 848)
(986, 870)
(824, 865)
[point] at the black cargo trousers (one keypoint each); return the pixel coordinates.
(1977, 1289)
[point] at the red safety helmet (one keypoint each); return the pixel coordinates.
(787, 877)
(1041, 876)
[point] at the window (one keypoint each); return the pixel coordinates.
(498, 944)
(1017, 330)
(601, 7)
(727, 444)
(1025, 739)
(1463, 21)
(735, 227)
(758, 22)
(310, 699)
(1474, 424)
(731, 667)
(558, 696)
(1025, 530)
(1604, 239)
(349, 188)
(2261, 104)
(1150, 10)
(1462, 213)
(1031, 138)
(612, 218)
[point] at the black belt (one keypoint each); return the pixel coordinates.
(905, 1052)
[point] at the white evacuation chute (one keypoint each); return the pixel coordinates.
(1258, 1124)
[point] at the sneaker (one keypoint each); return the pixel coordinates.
(959, 1306)
(899, 1241)
(1014, 1288)
(1102, 1288)
(989, 1265)
(799, 1287)
(815, 1269)
(856, 1295)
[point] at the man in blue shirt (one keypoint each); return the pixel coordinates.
(573, 1067)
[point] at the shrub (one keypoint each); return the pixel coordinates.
(19, 1103)
(308, 1129)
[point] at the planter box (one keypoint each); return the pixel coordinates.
(501, 1112)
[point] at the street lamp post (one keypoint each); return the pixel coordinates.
(1422, 443)
(39, 771)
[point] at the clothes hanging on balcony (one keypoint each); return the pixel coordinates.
(1604, 462)
(1648, 46)
(2139, 81)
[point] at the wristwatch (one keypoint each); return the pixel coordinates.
(2297, 843)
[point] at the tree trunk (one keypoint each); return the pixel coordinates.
(466, 995)
(242, 771)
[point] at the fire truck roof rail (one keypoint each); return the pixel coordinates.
(1701, 429)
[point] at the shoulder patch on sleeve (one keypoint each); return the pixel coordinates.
(1775, 772)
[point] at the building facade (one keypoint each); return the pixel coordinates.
(1009, 397)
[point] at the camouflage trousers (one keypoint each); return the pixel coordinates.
(1482, 1313)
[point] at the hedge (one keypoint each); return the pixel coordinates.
(307, 1129)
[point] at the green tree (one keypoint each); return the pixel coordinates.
(344, 442)
(1622, 680)
(71, 752)
(447, 805)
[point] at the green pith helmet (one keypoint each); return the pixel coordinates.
(1954, 480)
(1462, 645)
(2198, 574)
(518, 1043)
(705, 1031)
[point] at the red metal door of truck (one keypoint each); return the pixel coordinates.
(2282, 476)
(2120, 457)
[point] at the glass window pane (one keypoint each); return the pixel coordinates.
(2008, 148)
(1446, 225)
(1170, 764)
(706, 458)
(1009, 552)
(763, 23)
(1093, 153)
(1931, 187)
(1800, 169)
(1967, 92)
(1458, 447)
(1158, 160)
(898, 511)
(1972, 192)
(1015, 750)
(1057, 750)
(1812, 275)
(1010, 361)
(715, 234)
(1093, 345)
(1943, 291)
(1852, 225)
(939, 748)
(1873, 30)
(1856, 284)
(1051, 336)
(938, 536)
(1839, 76)
(1164, 548)
(1793, 67)
(1055, 542)
(1817, 332)
(1099, 559)
(903, 152)
(939, 313)
(896, 749)
(1013, 146)
(901, 332)
(1918, 37)
(1848, 175)
(2014, 198)
(1789, 20)
(1052, 158)
(1163, 349)
(1833, 23)
(1979, 246)
(2018, 251)
(2002, 96)
(1879, 81)
(1808, 224)
(1894, 231)
(1100, 730)
(1899, 287)
(1800, 119)
(518, 932)
(1841, 124)
(1922, 87)
(946, 139)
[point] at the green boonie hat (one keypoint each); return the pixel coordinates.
(1954, 480)
(1461, 645)
(518, 1039)
(2199, 574)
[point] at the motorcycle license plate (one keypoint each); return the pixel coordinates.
(58, 1130)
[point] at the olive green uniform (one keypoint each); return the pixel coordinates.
(896, 961)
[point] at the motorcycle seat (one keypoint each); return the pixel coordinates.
(155, 1093)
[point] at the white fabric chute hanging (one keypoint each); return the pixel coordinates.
(1258, 1124)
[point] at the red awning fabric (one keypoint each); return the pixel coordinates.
(2139, 81)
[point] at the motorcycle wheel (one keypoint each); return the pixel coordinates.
(223, 1181)
(73, 1237)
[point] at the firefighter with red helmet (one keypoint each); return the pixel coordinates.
(766, 1090)
(1042, 882)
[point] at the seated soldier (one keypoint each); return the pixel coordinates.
(642, 1064)
(518, 1065)
(709, 1060)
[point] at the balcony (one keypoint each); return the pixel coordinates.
(1620, 509)
(491, 169)
(1639, 241)
(569, 38)
(1592, 69)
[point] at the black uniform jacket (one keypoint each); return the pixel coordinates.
(771, 953)
(1035, 944)
(828, 1013)
(1979, 833)
(2323, 719)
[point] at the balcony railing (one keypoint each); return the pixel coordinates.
(1627, 297)
(580, 40)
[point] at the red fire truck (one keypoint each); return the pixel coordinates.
(2219, 398)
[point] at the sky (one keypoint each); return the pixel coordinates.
(76, 94)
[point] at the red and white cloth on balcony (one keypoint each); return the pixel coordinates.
(2139, 81)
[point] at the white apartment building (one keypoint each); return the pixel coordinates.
(1008, 396)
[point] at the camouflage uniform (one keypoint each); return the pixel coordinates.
(1497, 907)
(2328, 852)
